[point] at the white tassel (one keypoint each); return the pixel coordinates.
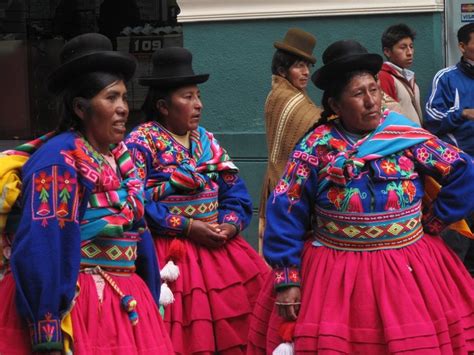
(284, 349)
(170, 272)
(166, 296)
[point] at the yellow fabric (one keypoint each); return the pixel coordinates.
(431, 191)
(10, 184)
(66, 326)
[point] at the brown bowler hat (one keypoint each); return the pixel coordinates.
(298, 42)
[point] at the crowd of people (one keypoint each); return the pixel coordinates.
(116, 242)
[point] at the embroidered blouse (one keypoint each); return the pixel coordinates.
(389, 177)
(61, 181)
(176, 178)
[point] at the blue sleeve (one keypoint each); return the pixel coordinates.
(442, 109)
(454, 171)
(147, 264)
(288, 220)
(235, 205)
(45, 257)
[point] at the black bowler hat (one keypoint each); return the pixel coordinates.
(87, 53)
(342, 57)
(172, 67)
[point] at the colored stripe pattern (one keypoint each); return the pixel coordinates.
(368, 231)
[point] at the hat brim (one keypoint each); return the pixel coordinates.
(324, 75)
(285, 47)
(173, 81)
(107, 61)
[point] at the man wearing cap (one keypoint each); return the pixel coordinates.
(289, 112)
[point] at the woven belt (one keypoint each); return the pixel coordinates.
(116, 255)
(368, 231)
(202, 206)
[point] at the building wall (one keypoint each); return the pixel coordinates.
(238, 55)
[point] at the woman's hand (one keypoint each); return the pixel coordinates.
(288, 302)
(206, 234)
(227, 229)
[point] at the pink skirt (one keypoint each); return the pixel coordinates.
(418, 299)
(101, 328)
(214, 296)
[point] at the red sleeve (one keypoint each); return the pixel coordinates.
(387, 84)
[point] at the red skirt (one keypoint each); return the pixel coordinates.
(214, 296)
(418, 299)
(101, 328)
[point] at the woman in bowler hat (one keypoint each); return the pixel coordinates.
(289, 111)
(83, 276)
(374, 277)
(197, 205)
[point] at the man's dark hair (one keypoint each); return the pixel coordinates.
(282, 61)
(464, 33)
(395, 33)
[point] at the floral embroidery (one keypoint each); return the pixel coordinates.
(422, 155)
(399, 194)
(388, 167)
(46, 330)
(174, 221)
(286, 276)
(43, 185)
(346, 199)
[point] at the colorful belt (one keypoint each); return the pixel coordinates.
(117, 254)
(368, 231)
(202, 206)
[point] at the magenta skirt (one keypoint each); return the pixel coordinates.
(417, 299)
(214, 296)
(100, 328)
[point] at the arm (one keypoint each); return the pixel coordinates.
(443, 112)
(288, 220)
(454, 170)
(46, 253)
(235, 205)
(147, 264)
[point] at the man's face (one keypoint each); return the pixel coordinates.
(402, 53)
(467, 49)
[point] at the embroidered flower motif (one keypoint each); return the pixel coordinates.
(66, 182)
(279, 277)
(43, 181)
(405, 164)
(335, 196)
(167, 157)
(175, 221)
(281, 187)
(422, 155)
(293, 276)
(303, 170)
(231, 217)
(450, 155)
(410, 189)
(388, 167)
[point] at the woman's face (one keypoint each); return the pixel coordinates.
(183, 111)
(105, 118)
(359, 106)
(298, 74)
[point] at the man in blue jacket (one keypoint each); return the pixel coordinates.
(450, 115)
